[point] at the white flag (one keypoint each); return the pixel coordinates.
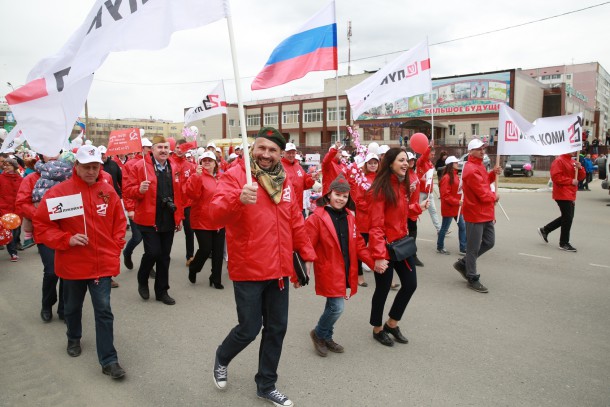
(65, 206)
(408, 75)
(546, 136)
(57, 87)
(13, 139)
(429, 176)
(213, 103)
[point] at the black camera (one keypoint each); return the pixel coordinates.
(168, 202)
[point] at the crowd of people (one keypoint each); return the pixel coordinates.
(364, 219)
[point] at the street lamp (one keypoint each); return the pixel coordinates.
(11, 85)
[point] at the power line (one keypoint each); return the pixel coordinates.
(379, 55)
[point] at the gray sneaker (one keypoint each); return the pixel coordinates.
(543, 234)
(220, 374)
(477, 286)
(461, 267)
(567, 247)
(442, 251)
(276, 398)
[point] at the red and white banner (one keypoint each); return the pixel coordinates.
(213, 103)
(546, 136)
(57, 87)
(124, 142)
(65, 206)
(408, 75)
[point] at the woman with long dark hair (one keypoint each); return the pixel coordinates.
(389, 211)
(201, 187)
(451, 200)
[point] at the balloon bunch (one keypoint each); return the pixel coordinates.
(8, 222)
(353, 169)
(190, 133)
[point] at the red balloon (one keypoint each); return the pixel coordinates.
(172, 143)
(10, 221)
(5, 236)
(419, 143)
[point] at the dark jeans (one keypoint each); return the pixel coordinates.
(74, 296)
(480, 237)
(259, 304)
(412, 226)
(136, 238)
(564, 221)
(189, 235)
(11, 247)
(209, 241)
(365, 236)
(49, 280)
(383, 281)
(157, 248)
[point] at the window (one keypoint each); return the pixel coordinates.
(231, 122)
(569, 76)
(290, 117)
(474, 129)
(342, 136)
(312, 115)
(452, 129)
(332, 114)
(556, 76)
(253, 120)
(270, 119)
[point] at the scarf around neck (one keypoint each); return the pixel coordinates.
(272, 180)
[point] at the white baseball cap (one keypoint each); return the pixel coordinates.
(383, 149)
(290, 147)
(102, 149)
(410, 156)
(451, 159)
(208, 154)
(218, 149)
(239, 147)
(89, 154)
(200, 151)
(233, 156)
(210, 144)
(146, 142)
(475, 143)
(344, 153)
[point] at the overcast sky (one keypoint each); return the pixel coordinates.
(161, 83)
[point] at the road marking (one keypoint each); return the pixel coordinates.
(425, 240)
(599, 265)
(533, 255)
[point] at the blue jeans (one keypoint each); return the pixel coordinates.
(440, 241)
(74, 296)
(136, 238)
(259, 304)
(332, 312)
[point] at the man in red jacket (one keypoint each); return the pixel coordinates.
(264, 226)
(564, 172)
(87, 250)
(332, 165)
(298, 177)
(479, 213)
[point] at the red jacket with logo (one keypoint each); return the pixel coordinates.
(450, 199)
(105, 229)
(329, 267)
(389, 222)
(362, 198)
(145, 205)
(260, 237)
(9, 186)
(185, 169)
(330, 169)
(299, 179)
(562, 175)
(479, 199)
(422, 166)
(201, 188)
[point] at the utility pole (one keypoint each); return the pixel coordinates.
(349, 49)
(86, 120)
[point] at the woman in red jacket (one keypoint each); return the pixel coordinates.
(451, 200)
(363, 200)
(389, 209)
(10, 180)
(334, 236)
(200, 187)
(414, 197)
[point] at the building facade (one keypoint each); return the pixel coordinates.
(98, 130)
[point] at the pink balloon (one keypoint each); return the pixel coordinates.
(419, 143)
(527, 167)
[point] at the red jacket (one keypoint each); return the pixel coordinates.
(24, 205)
(362, 198)
(450, 199)
(261, 237)
(388, 223)
(120, 163)
(105, 229)
(330, 169)
(329, 267)
(562, 175)
(414, 207)
(146, 204)
(127, 169)
(201, 188)
(479, 199)
(422, 166)
(299, 179)
(9, 186)
(185, 169)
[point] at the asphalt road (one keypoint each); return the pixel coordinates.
(541, 337)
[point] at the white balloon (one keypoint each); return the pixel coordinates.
(373, 147)
(77, 142)
(3, 134)
(200, 151)
(195, 130)
(88, 142)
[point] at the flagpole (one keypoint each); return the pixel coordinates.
(240, 105)
(337, 102)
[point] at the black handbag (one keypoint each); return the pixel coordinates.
(402, 249)
(300, 269)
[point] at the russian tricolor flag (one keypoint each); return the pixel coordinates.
(312, 48)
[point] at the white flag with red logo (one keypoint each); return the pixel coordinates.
(47, 106)
(65, 206)
(213, 103)
(546, 136)
(408, 75)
